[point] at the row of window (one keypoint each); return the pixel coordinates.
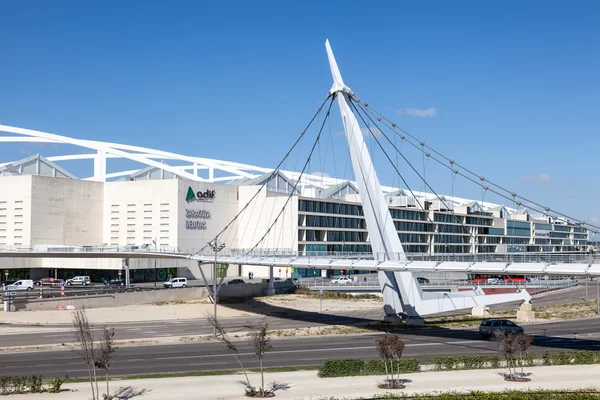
(329, 208)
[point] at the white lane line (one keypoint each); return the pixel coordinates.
(317, 350)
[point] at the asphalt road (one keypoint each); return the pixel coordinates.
(422, 344)
(276, 317)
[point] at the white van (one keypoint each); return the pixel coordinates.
(175, 282)
(23, 284)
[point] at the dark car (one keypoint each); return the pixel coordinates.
(115, 282)
(236, 282)
(10, 281)
(490, 327)
(422, 280)
(47, 281)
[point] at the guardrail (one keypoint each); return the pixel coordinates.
(549, 258)
(537, 283)
(48, 293)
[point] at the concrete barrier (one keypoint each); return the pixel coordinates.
(116, 299)
(151, 296)
(254, 289)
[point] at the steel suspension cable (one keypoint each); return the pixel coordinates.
(415, 171)
(422, 206)
(299, 177)
(543, 210)
(272, 173)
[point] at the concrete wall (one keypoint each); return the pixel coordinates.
(116, 299)
(66, 211)
(253, 289)
(137, 212)
(15, 210)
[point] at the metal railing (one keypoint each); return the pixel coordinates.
(538, 257)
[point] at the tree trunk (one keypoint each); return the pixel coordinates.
(387, 375)
(91, 383)
(262, 377)
(243, 370)
(107, 389)
(96, 382)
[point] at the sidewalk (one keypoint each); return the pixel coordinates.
(306, 385)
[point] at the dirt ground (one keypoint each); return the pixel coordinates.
(136, 313)
(303, 302)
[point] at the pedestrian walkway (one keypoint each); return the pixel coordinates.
(305, 385)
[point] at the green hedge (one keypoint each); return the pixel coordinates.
(506, 395)
(360, 367)
(20, 384)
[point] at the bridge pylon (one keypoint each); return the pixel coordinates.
(402, 294)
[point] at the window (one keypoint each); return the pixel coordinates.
(562, 228)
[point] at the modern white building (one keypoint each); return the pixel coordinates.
(43, 205)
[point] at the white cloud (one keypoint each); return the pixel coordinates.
(418, 112)
(544, 177)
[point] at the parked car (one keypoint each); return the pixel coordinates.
(115, 282)
(10, 281)
(79, 280)
(47, 281)
(422, 280)
(175, 283)
(342, 280)
(490, 327)
(235, 282)
(23, 284)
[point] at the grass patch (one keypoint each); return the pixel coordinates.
(333, 294)
(200, 373)
(582, 309)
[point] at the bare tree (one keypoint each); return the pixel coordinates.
(397, 348)
(513, 346)
(389, 348)
(223, 337)
(106, 354)
(85, 347)
(522, 344)
(385, 354)
(261, 344)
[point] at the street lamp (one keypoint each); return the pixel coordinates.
(216, 247)
(154, 242)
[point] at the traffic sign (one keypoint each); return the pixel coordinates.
(6, 272)
(62, 291)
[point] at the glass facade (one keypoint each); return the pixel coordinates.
(334, 226)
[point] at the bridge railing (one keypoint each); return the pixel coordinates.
(91, 249)
(548, 258)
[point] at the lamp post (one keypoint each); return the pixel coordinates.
(154, 242)
(216, 247)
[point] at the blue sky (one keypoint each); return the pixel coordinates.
(509, 89)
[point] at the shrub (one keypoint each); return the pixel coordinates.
(55, 385)
(585, 357)
(404, 366)
(336, 368)
(359, 367)
(35, 384)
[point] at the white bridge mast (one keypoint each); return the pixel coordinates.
(402, 293)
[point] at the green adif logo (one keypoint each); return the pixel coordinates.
(190, 196)
(208, 195)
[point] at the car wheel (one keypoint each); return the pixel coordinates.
(84, 284)
(122, 284)
(68, 283)
(30, 288)
(184, 286)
